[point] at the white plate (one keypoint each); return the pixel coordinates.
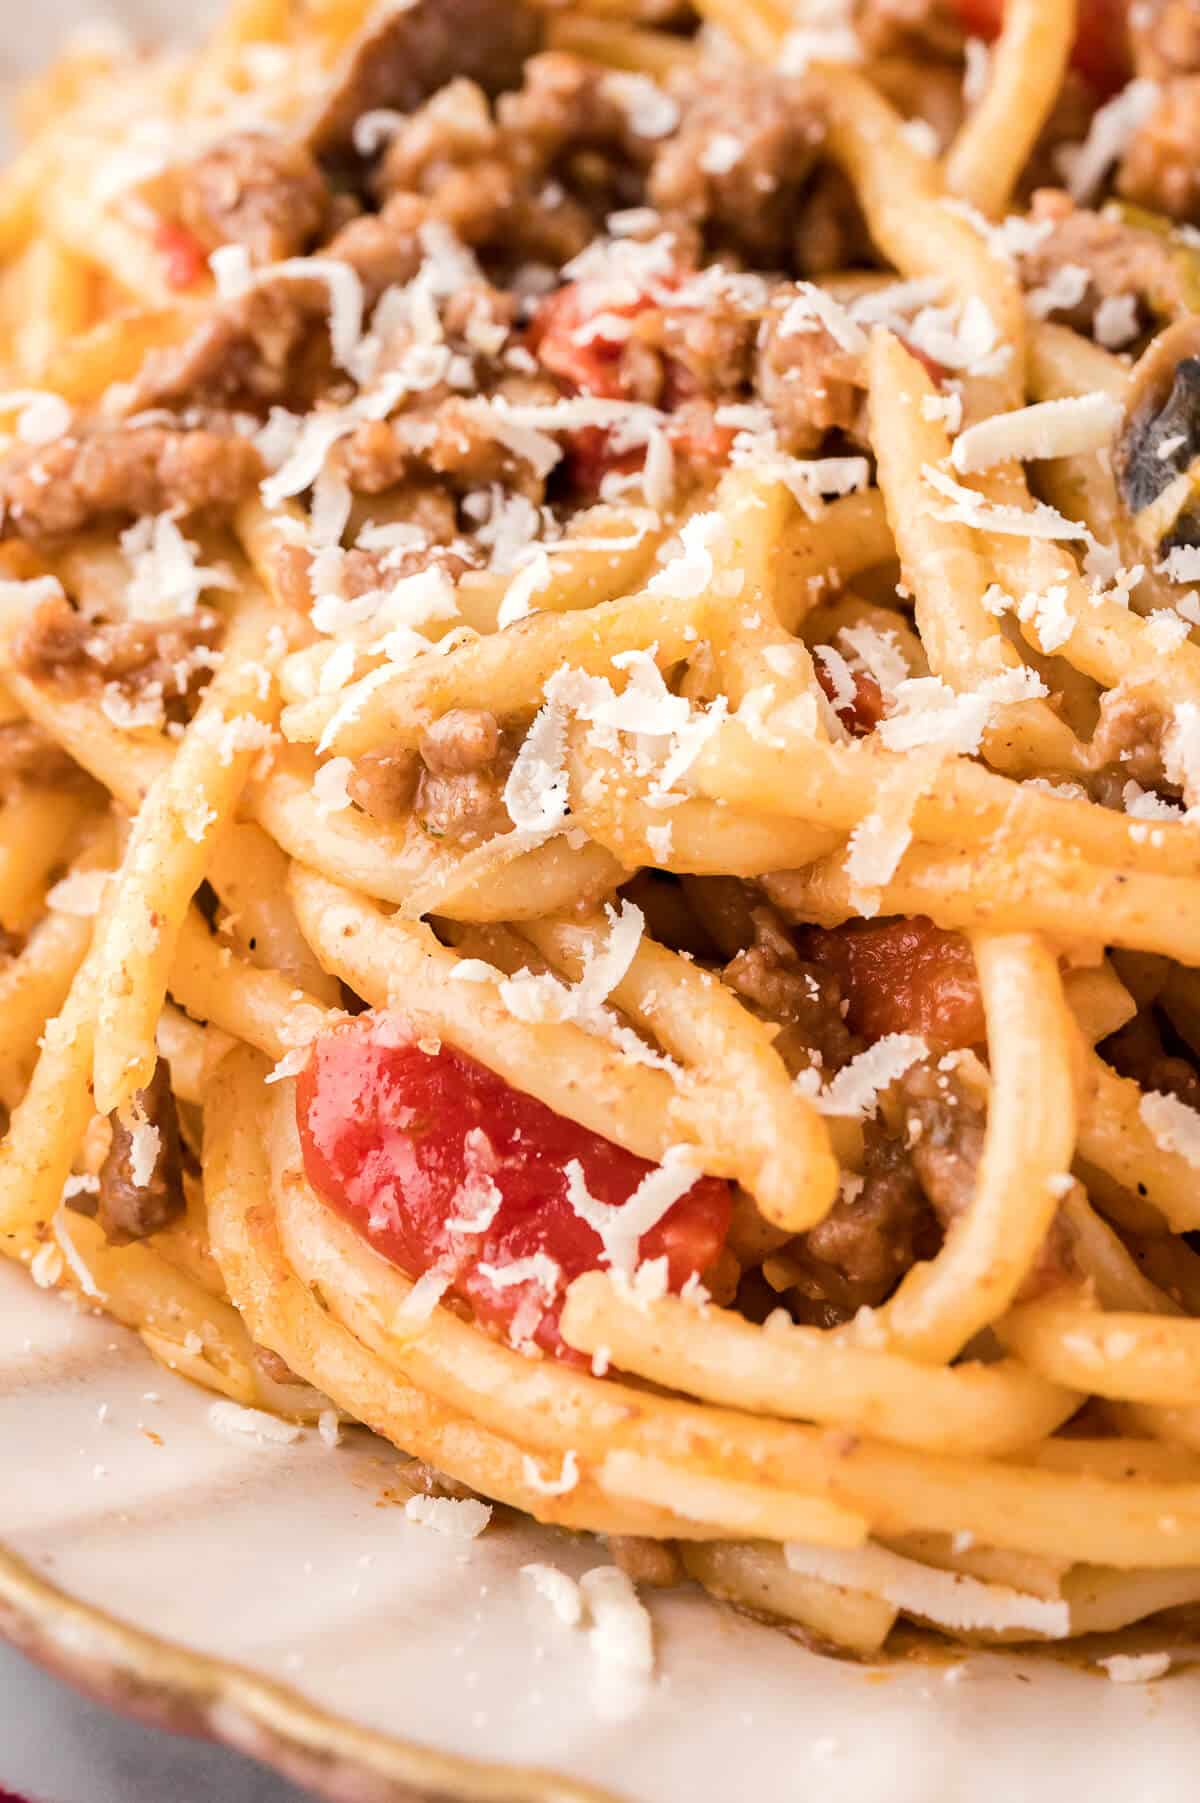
(376, 1655)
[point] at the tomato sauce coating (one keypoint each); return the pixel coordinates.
(902, 976)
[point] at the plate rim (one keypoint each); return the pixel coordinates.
(167, 1685)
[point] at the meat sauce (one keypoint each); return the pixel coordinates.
(902, 976)
(404, 1143)
(861, 714)
(590, 362)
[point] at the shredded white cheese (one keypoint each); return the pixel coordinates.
(557, 1589)
(621, 1228)
(811, 307)
(567, 1479)
(621, 1630)
(1173, 1126)
(329, 792)
(1065, 428)
(927, 711)
(1136, 1668)
(423, 1298)
(457, 1519)
(238, 1423)
(854, 1091)
(947, 1598)
(971, 509)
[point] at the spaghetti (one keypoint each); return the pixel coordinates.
(599, 770)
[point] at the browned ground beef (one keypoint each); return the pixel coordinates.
(1161, 166)
(255, 190)
(753, 206)
(811, 384)
(59, 645)
(460, 791)
(1119, 259)
(417, 49)
(129, 1209)
(856, 1256)
(802, 997)
(123, 473)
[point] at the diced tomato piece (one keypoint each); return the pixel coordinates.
(182, 252)
(902, 976)
(590, 457)
(1101, 52)
(589, 361)
(865, 711)
(401, 1142)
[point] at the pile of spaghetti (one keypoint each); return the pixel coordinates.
(600, 765)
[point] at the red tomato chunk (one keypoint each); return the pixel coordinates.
(590, 362)
(402, 1142)
(185, 257)
(902, 976)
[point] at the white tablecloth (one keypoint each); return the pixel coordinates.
(57, 1747)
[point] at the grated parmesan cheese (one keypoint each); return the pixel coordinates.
(651, 112)
(42, 417)
(80, 893)
(949, 1599)
(1136, 1668)
(721, 153)
(238, 1423)
(1116, 323)
(165, 579)
(961, 337)
(535, 793)
(855, 1090)
(977, 70)
(423, 1298)
(621, 1630)
(811, 307)
(567, 1479)
(620, 1227)
(329, 792)
(1182, 564)
(927, 711)
(457, 1519)
(1066, 288)
(374, 129)
(1174, 1127)
(967, 508)
(529, 580)
(557, 1589)
(145, 1143)
(1064, 428)
(1181, 750)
